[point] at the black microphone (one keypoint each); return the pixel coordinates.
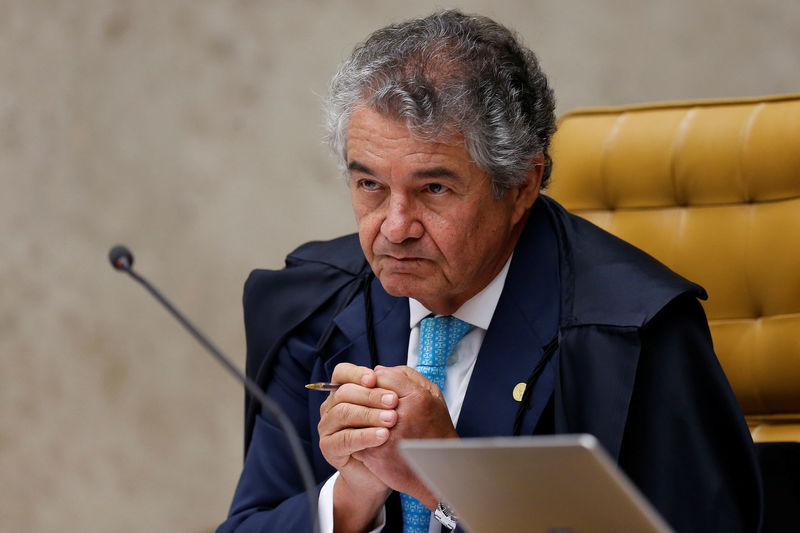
(122, 259)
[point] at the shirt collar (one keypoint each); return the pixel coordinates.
(477, 311)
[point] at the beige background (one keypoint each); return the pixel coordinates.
(191, 130)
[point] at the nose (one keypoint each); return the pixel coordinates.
(401, 221)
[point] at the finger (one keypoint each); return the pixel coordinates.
(377, 398)
(347, 415)
(349, 441)
(401, 379)
(356, 394)
(350, 373)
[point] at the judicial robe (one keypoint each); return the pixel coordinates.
(635, 367)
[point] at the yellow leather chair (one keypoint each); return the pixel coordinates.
(712, 189)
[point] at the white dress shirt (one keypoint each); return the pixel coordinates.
(478, 312)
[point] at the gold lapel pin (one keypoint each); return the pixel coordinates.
(519, 391)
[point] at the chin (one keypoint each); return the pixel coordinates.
(403, 285)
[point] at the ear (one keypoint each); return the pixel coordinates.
(528, 192)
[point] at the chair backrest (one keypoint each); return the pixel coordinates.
(712, 189)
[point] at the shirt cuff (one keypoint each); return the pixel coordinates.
(325, 508)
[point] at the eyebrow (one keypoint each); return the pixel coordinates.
(358, 167)
(435, 172)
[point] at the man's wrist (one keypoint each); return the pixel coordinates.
(357, 511)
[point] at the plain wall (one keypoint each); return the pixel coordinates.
(192, 131)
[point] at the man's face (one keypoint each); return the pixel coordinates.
(427, 221)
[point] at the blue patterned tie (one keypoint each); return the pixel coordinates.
(437, 338)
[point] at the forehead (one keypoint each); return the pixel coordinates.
(371, 135)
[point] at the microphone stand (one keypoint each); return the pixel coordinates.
(122, 259)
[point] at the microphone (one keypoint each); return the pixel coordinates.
(122, 259)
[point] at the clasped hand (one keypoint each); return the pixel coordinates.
(362, 422)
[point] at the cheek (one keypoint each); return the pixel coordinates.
(367, 211)
(368, 229)
(454, 239)
(466, 242)
(369, 222)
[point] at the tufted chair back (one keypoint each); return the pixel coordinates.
(712, 189)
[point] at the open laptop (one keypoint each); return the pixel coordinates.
(547, 484)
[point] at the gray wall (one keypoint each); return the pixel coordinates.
(191, 130)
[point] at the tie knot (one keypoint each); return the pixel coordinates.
(438, 336)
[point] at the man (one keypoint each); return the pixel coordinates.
(474, 286)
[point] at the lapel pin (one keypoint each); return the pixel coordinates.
(519, 391)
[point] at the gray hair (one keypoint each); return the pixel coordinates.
(452, 74)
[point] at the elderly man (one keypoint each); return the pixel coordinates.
(472, 305)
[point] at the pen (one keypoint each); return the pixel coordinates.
(323, 386)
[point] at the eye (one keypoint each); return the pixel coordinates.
(436, 188)
(368, 185)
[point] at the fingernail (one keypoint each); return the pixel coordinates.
(382, 434)
(387, 399)
(386, 416)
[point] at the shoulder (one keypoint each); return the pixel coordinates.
(277, 301)
(312, 267)
(606, 280)
(317, 263)
(343, 253)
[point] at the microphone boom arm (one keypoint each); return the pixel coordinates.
(121, 259)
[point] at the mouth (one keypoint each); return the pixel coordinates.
(400, 257)
(400, 263)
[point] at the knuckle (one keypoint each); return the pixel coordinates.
(340, 369)
(384, 370)
(346, 389)
(347, 440)
(375, 396)
(350, 414)
(346, 412)
(365, 415)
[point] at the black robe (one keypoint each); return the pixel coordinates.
(635, 368)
